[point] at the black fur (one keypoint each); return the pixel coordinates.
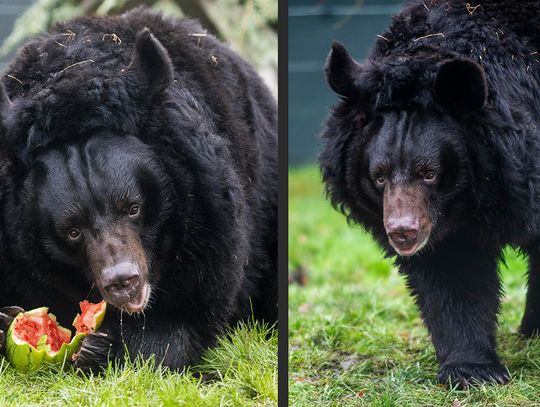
(456, 89)
(155, 113)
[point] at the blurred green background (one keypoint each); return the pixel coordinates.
(313, 25)
(9, 11)
(249, 26)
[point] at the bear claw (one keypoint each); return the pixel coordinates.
(463, 375)
(94, 354)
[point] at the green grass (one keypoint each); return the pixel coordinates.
(241, 371)
(355, 336)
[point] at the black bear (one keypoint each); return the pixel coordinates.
(138, 165)
(434, 149)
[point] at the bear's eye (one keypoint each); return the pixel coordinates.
(430, 176)
(380, 180)
(74, 234)
(134, 210)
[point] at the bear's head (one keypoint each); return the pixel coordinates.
(87, 207)
(396, 156)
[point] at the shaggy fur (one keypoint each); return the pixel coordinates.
(100, 109)
(454, 87)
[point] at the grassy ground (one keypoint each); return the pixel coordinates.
(243, 370)
(355, 336)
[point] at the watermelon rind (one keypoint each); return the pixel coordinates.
(25, 357)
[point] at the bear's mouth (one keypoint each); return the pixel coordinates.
(133, 302)
(138, 302)
(410, 249)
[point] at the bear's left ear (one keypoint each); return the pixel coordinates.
(461, 85)
(151, 62)
(342, 71)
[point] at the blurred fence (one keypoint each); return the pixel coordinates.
(313, 25)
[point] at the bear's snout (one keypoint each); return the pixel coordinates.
(120, 267)
(403, 231)
(121, 279)
(406, 218)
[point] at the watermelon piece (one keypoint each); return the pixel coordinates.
(35, 337)
(91, 316)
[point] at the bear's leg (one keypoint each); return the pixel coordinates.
(173, 344)
(530, 324)
(457, 290)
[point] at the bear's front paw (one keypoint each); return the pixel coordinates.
(7, 314)
(96, 351)
(465, 374)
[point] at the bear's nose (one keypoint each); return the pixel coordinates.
(402, 231)
(120, 278)
(402, 236)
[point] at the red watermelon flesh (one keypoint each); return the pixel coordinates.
(85, 321)
(31, 328)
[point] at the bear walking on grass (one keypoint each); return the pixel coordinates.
(435, 150)
(138, 164)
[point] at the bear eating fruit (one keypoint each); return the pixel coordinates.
(138, 165)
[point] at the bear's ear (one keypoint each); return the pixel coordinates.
(151, 62)
(341, 70)
(461, 85)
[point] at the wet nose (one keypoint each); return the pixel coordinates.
(402, 231)
(120, 278)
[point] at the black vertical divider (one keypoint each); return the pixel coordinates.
(283, 202)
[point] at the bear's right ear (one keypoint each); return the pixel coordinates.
(342, 70)
(151, 62)
(461, 85)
